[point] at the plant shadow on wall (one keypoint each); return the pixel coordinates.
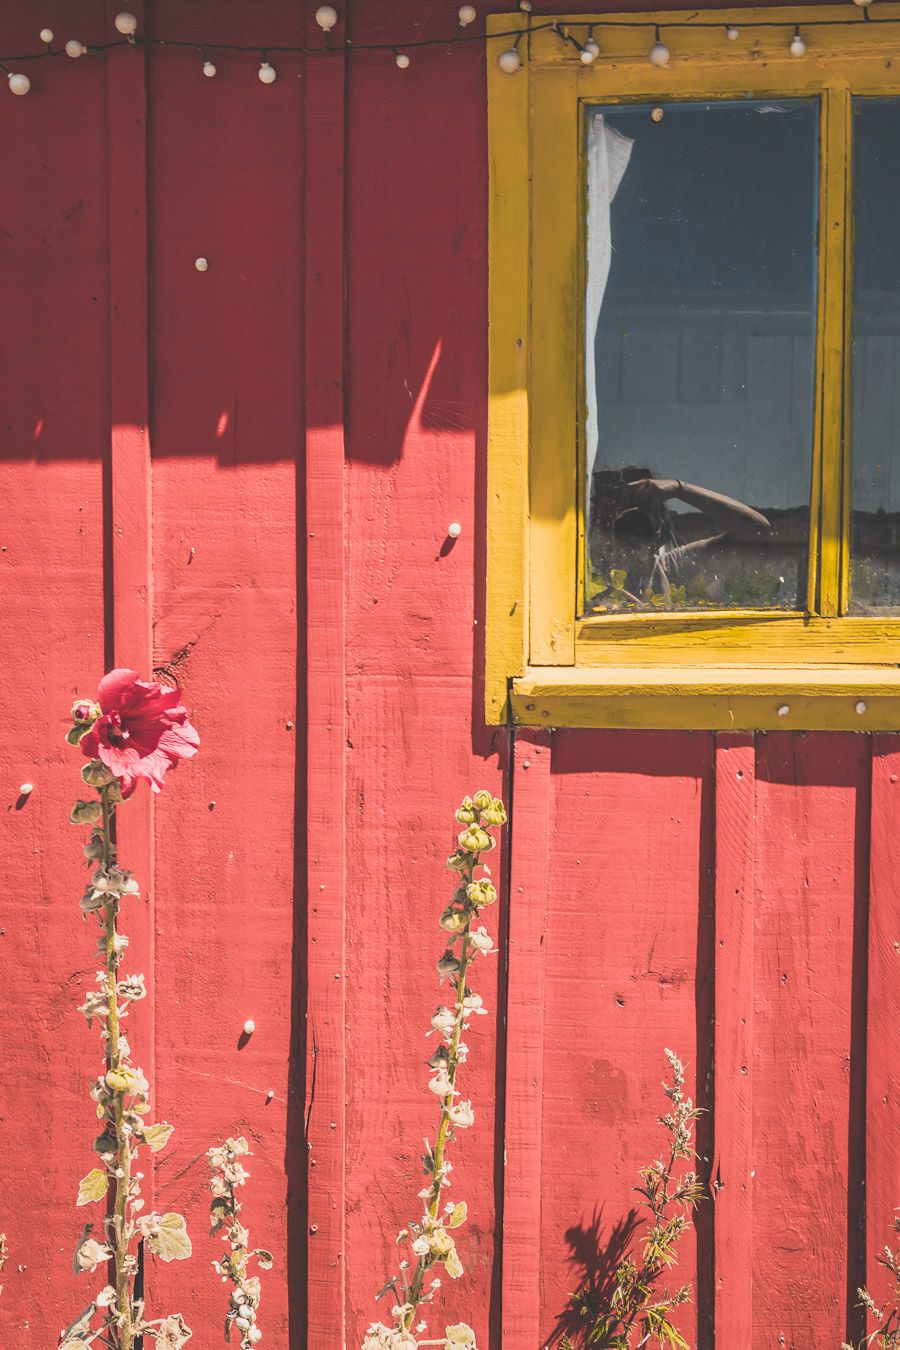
(624, 1298)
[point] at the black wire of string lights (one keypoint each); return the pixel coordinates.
(509, 59)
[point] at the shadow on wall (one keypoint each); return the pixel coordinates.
(595, 1260)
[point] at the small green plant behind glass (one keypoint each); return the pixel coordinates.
(133, 731)
(637, 1312)
(430, 1238)
(887, 1317)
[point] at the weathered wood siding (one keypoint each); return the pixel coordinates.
(244, 478)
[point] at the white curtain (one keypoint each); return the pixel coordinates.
(608, 155)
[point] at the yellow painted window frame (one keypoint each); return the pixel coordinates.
(727, 670)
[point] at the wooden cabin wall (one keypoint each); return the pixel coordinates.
(244, 478)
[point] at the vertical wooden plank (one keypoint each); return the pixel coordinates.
(509, 236)
(326, 735)
(883, 1072)
(227, 360)
(529, 884)
(129, 571)
(731, 1178)
(54, 358)
(625, 965)
(807, 794)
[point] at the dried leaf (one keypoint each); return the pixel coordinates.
(459, 1214)
(157, 1136)
(265, 1259)
(92, 1187)
(173, 1332)
(171, 1241)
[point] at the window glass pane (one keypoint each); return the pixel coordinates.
(700, 322)
(875, 500)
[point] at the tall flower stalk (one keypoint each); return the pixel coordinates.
(133, 731)
(228, 1173)
(430, 1238)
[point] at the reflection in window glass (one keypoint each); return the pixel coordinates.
(875, 499)
(700, 321)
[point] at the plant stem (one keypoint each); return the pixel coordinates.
(122, 1176)
(434, 1203)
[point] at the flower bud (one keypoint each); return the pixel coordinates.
(453, 920)
(495, 814)
(85, 813)
(96, 774)
(480, 893)
(482, 800)
(84, 710)
(475, 840)
(458, 862)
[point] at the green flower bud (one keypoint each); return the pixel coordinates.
(85, 813)
(475, 840)
(480, 893)
(96, 774)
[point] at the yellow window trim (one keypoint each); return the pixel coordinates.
(545, 666)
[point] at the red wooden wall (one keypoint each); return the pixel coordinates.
(244, 478)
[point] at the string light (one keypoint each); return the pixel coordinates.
(510, 61)
(201, 264)
(18, 84)
(326, 17)
(590, 51)
(659, 53)
(509, 58)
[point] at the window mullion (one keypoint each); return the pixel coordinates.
(829, 511)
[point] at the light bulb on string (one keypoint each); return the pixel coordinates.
(209, 69)
(590, 51)
(510, 61)
(46, 35)
(326, 17)
(732, 33)
(402, 60)
(126, 23)
(467, 14)
(525, 6)
(798, 46)
(74, 48)
(659, 53)
(267, 72)
(863, 4)
(18, 83)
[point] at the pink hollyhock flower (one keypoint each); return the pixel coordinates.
(142, 731)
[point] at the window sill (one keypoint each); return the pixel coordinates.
(747, 698)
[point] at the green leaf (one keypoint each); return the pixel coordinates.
(74, 735)
(92, 1187)
(617, 579)
(157, 1136)
(171, 1242)
(265, 1259)
(458, 1215)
